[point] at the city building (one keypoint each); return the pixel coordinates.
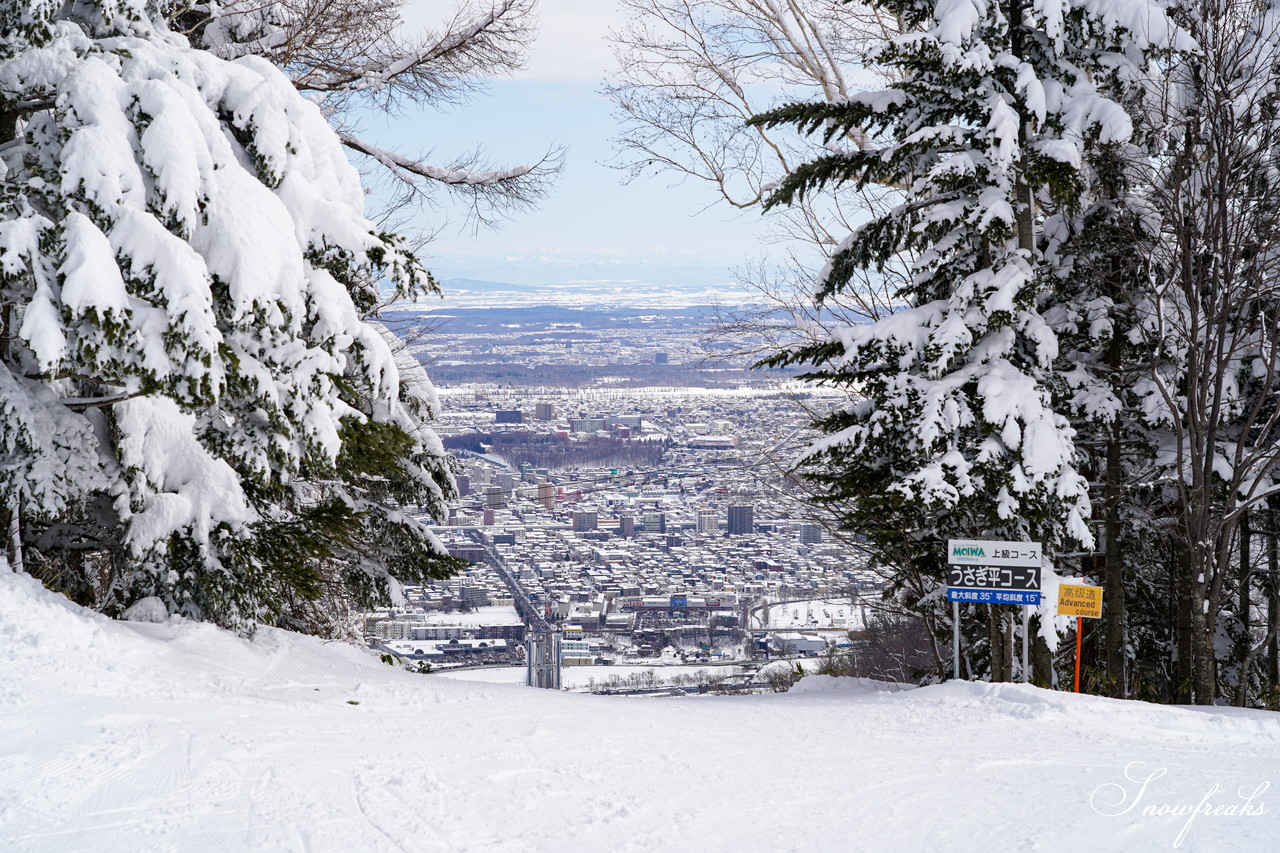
(654, 522)
(741, 520)
(713, 442)
(473, 596)
(467, 551)
(586, 424)
(575, 652)
(569, 534)
(508, 416)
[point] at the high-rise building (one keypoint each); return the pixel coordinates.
(708, 521)
(547, 495)
(494, 496)
(810, 534)
(654, 522)
(544, 411)
(464, 485)
(584, 521)
(659, 358)
(474, 596)
(741, 520)
(508, 416)
(627, 525)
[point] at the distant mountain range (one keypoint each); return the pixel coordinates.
(472, 285)
(462, 293)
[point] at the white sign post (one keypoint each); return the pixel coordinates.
(986, 571)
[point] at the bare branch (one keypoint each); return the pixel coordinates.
(352, 54)
(692, 72)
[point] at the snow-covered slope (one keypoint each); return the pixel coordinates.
(181, 737)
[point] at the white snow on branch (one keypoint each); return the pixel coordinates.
(400, 164)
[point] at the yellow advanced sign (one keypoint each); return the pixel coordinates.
(1080, 601)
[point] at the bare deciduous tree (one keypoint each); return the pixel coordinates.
(1212, 320)
(353, 54)
(691, 72)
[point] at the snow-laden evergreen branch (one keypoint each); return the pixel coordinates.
(354, 54)
(192, 399)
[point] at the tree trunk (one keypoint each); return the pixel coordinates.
(1042, 671)
(998, 643)
(4, 525)
(16, 562)
(1183, 643)
(8, 126)
(1204, 681)
(1244, 646)
(1113, 579)
(1024, 199)
(1273, 615)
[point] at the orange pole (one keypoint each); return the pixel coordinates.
(1079, 632)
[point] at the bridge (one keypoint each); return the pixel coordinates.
(542, 642)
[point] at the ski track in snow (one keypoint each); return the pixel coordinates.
(179, 737)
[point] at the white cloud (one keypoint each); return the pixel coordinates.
(572, 42)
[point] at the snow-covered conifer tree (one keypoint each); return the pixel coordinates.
(954, 429)
(353, 55)
(193, 404)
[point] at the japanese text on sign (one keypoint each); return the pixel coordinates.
(993, 596)
(1076, 600)
(987, 552)
(994, 577)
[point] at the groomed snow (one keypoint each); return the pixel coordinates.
(181, 737)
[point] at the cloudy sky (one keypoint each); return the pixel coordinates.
(593, 226)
